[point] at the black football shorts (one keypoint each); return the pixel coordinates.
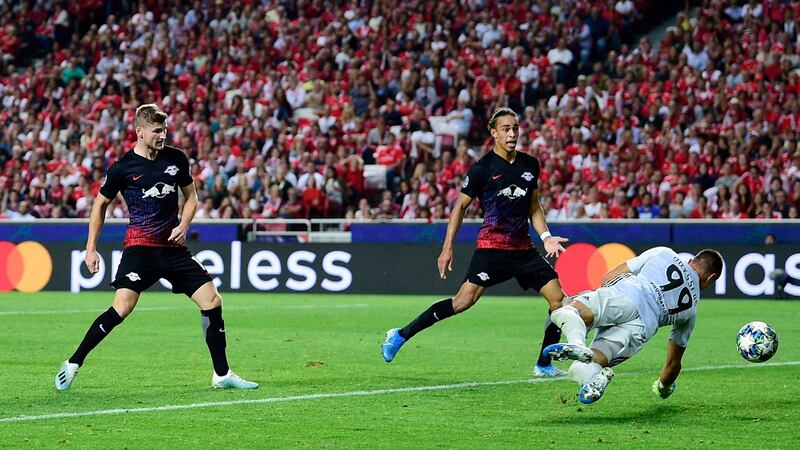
(142, 266)
(493, 266)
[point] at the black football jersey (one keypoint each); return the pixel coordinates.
(150, 189)
(504, 190)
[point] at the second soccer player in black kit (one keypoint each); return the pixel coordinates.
(506, 182)
(149, 178)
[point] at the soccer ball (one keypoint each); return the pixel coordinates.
(757, 342)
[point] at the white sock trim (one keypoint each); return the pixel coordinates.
(581, 373)
(569, 320)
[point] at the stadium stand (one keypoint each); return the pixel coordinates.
(374, 110)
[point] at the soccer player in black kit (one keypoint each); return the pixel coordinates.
(506, 182)
(149, 178)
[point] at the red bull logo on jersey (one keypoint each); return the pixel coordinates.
(512, 192)
(160, 190)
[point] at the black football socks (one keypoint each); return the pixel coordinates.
(97, 332)
(214, 331)
(438, 311)
(552, 335)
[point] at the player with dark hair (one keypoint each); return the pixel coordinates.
(149, 178)
(652, 290)
(506, 181)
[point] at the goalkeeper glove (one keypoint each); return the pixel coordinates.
(661, 390)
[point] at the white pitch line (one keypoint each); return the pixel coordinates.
(739, 366)
(293, 398)
(177, 308)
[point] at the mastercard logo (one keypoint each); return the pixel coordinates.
(582, 266)
(26, 266)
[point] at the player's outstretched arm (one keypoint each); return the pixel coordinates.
(178, 234)
(445, 261)
(552, 244)
(615, 272)
(96, 220)
(665, 385)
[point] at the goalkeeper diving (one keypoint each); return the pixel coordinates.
(655, 289)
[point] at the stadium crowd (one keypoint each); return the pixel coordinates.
(368, 109)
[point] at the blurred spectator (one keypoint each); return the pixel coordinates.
(705, 124)
(560, 57)
(293, 207)
(648, 209)
(314, 202)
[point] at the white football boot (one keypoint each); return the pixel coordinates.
(562, 351)
(550, 371)
(594, 389)
(66, 375)
(231, 381)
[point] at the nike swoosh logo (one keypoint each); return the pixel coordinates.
(137, 177)
(221, 330)
(435, 316)
(103, 329)
(496, 177)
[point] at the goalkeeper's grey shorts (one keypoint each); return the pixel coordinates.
(620, 330)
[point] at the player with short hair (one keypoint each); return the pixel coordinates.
(506, 181)
(655, 289)
(149, 178)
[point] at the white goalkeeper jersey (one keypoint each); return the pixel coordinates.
(665, 291)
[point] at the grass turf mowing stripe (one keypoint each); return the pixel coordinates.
(176, 308)
(105, 412)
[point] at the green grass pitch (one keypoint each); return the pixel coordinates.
(325, 385)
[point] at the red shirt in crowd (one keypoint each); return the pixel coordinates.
(389, 156)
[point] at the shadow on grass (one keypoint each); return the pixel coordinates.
(661, 413)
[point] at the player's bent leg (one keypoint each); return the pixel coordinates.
(594, 389)
(207, 296)
(544, 365)
(563, 351)
(213, 326)
(572, 319)
(615, 346)
(597, 354)
(568, 318)
(554, 294)
(584, 311)
(556, 298)
(210, 302)
(600, 357)
(611, 346)
(468, 294)
(581, 372)
(124, 302)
